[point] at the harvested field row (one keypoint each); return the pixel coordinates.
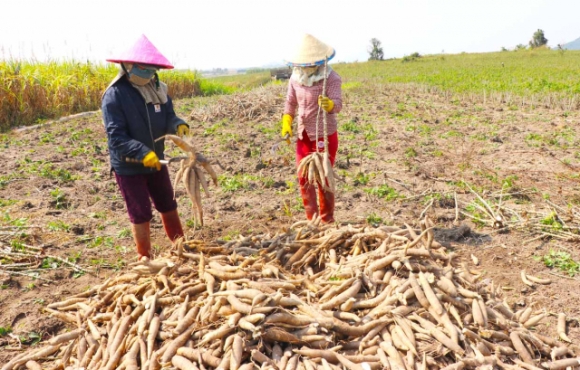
(257, 105)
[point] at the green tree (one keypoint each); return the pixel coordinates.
(538, 39)
(375, 50)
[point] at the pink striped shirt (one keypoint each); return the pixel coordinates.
(306, 99)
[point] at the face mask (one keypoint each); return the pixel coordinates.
(307, 76)
(309, 71)
(141, 74)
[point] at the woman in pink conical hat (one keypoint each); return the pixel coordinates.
(303, 100)
(137, 111)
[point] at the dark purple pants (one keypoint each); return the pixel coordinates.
(137, 189)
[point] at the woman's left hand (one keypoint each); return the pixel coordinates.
(326, 103)
(182, 130)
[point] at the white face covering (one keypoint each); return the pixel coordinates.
(307, 76)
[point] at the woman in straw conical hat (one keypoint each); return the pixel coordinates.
(302, 105)
(137, 111)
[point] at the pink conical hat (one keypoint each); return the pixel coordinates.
(143, 51)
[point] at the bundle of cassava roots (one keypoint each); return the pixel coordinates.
(191, 175)
(310, 297)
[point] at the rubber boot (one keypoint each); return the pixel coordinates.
(308, 193)
(172, 225)
(326, 199)
(142, 237)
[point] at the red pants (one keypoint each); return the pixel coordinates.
(308, 192)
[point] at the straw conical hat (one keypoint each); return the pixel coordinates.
(310, 51)
(144, 52)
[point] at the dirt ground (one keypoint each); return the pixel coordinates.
(403, 154)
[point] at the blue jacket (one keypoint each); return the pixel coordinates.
(132, 127)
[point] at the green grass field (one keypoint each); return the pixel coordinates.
(523, 72)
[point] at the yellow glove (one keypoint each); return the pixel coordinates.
(151, 160)
(287, 125)
(326, 103)
(182, 130)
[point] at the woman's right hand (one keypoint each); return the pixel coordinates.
(151, 160)
(287, 125)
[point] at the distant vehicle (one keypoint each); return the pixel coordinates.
(281, 73)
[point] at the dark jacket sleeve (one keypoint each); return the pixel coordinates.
(116, 126)
(172, 119)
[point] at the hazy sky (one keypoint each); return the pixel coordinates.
(244, 33)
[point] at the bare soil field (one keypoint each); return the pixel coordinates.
(403, 154)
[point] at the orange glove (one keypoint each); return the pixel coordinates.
(151, 160)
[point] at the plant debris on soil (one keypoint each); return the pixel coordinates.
(257, 105)
(508, 174)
